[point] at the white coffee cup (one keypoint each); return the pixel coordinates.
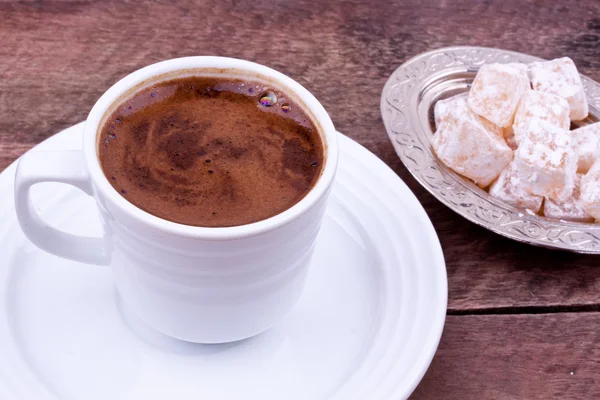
(207, 285)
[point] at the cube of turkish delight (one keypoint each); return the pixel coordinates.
(560, 77)
(537, 110)
(442, 107)
(471, 145)
(496, 91)
(546, 165)
(571, 209)
(509, 189)
(590, 190)
(587, 145)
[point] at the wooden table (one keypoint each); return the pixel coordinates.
(523, 322)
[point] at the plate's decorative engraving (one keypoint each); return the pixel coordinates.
(404, 98)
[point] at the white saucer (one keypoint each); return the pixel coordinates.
(366, 327)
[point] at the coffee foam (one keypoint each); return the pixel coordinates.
(202, 151)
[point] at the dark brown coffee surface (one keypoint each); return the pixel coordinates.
(211, 152)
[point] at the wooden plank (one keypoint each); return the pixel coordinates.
(57, 57)
(545, 356)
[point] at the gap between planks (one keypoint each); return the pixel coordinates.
(557, 309)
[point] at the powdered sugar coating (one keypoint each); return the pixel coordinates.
(587, 145)
(520, 66)
(442, 107)
(471, 145)
(496, 91)
(509, 189)
(537, 111)
(560, 77)
(571, 209)
(547, 165)
(590, 190)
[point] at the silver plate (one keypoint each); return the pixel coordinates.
(407, 108)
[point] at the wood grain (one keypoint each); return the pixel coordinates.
(546, 356)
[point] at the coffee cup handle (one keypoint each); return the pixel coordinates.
(64, 167)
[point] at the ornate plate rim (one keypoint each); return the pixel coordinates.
(399, 102)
